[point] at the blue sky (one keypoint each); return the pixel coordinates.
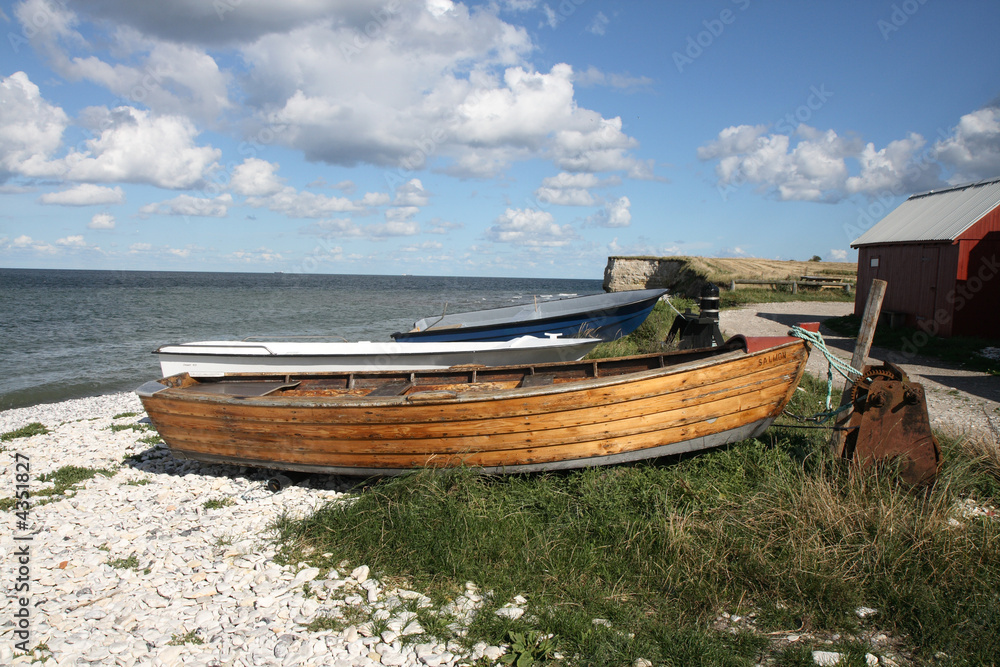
(510, 138)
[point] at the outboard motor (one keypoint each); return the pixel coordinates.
(702, 330)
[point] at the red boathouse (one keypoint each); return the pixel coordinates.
(939, 252)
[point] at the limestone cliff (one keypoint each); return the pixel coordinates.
(673, 273)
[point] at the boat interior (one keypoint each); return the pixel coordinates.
(431, 384)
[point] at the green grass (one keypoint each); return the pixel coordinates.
(187, 638)
(216, 503)
(773, 527)
(651, 333)
(139, 428)
(34, 428)
(130, 563)
(123, 415)
(65, 479)
(744, 297)
(647, 338)
(958, 350)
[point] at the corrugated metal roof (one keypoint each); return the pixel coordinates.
(940, 215)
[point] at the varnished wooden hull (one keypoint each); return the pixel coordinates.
(576, 414)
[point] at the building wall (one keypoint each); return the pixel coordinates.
(946, 289)
(977, 297)
(919, 277)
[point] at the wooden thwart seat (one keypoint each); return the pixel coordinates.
(391, 389)
(539, 380)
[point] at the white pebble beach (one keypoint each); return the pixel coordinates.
(133, 569)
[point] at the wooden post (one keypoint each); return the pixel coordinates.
(868, 323)
(861, 348)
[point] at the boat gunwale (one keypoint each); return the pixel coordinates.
(444, 322)
(189, 393)
(556, 342)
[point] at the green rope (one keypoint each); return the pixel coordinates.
(833, 362)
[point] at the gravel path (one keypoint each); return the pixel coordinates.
(959, 401)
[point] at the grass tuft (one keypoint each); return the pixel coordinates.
(130, 563)
(191, 637)
(139, 428)
(34, 428)
(217, 503)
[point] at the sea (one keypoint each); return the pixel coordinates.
(70, 334)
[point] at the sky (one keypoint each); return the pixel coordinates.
(519, 138)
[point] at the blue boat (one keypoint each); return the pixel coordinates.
(605, 316)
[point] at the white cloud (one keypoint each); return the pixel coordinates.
(814, 165)
(136, 147)
(838, 255)
(401, 213)
(973, 149)
(392, 227)
(261, 255)
(813, 169)
(72, 242)
(31, 129)
(25, 242)
(566, 189)
(339, 227)
(438, 226)
(615, 213)
(169, 77)
(256, 178)
(564, 196)
(85, 194)
(598, 25)
(140, 247)
(411, 193)
(345, 82)
(102, 221)
(374, 199)
(892, 169)
(297, 204)
(529, 227)
(595, 77)
(566, 180)
(191, 206)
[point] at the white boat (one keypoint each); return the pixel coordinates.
(214, 358)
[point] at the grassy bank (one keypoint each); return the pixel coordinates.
(719, 558)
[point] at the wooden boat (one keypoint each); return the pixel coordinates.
(216, 358)
(501, 419)
(605, 316)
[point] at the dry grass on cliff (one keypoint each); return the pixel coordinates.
(721, 270)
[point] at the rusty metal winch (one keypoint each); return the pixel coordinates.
(889, 422)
